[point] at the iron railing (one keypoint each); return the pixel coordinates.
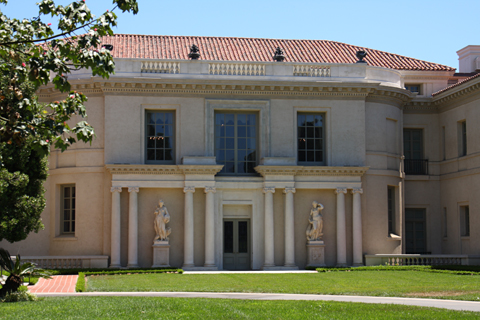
(416, 166)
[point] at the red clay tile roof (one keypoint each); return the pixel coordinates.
(456, 84)
(253, 49)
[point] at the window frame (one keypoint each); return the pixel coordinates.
(173, 137)
(324, 139)
(410, 86)
(462, 138)
(465, 220)
(391, 210)
(236, 140)
(72, 210)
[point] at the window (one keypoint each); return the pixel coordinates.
(415, 231)
(391, 210)
(236, 142)
(67, 223)
(311, 138)
(464, 221)
(462, 138)
(160, 138)
(413, 151)
(415, 88)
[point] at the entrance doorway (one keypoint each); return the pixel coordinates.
(236, 244)
(415, 231)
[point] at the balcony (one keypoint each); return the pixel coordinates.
(416, 166)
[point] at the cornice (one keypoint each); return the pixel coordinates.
(311, 171)
(454, 95)
(163, 169)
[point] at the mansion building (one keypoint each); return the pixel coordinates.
(239, 139)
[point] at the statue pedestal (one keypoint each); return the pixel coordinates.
(161, 254)
(316, 254)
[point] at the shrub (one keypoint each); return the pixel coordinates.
(81, 285)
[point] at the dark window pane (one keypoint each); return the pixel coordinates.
(73, 215)
(66, 192)
(168, 131)
(220, 131)
(230, 167)
(251, 132)
(150, 118)
(310, 156)
(169, 118)
(230, 155)
(301, 132)
(301, 144)
(159, 118)
(73, 191)
(242, 237)
(251, 156)
(228, 236)
(251, 144)
(250, 167)
(242, 167)
(241, 155)
(220, 155)
(150, 130)
(230, 119)
(318, 156)
(301, 156)
(310, 132)
(318, 133)
(66, 215)
(251, 119)
(310, 120)
(310, 144)
(242, 144)
(73, 203)
(66, 204)
(168, 154)
(160, 143)
(150, 142)
(169, 142)
(318, 121)
(241, 119)
(159, 131)
(150, 154)
(66, 227)
(219, 119)
(229, 143)
(219, 143)
(230, 131)
(159, 154)
(241, 131)
(301, 120)
(318, 144)
(73, 226)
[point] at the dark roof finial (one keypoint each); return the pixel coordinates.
(279, 56)
(361, 55)
(194, 52)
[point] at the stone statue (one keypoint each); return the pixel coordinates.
(315, 227)
(161, 219)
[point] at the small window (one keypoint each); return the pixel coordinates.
(311, 138)
(391, 210)
(236, 140)
(415, 88)
(465, 221)
(67, 223)
(462, 138)
(160, 137)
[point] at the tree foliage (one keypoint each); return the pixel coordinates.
(32, 54)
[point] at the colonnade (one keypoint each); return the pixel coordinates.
(210, 225)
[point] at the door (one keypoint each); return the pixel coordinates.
(236, 244)
(415, 231)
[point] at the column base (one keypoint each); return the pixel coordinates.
(316, 254)
(214, 268)
(133, 266)
(341, 265)
(358, 265)
(290, 267)
(115, 266)
(161, 254)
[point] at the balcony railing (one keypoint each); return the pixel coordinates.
(416, 166)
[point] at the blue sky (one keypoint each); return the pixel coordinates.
(423, 29)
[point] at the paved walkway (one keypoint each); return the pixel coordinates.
(58, 284)
(64, 286)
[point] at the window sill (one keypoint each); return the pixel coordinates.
(65, 238)
(394, 237)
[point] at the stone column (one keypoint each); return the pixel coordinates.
(269, 240)
(115, 231)
(341, 232)
(289, 228)
(188, 231)
(357, 227)
(210, 227)
(133, 228)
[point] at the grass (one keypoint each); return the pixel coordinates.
(178, 308)
(371, 283)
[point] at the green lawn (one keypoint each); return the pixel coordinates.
(372, 283)
(178, 308)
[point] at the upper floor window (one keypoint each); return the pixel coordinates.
(415, 88)
(465, 221)
(311, 138)
(160, 137)
(236, 142)
(67, 223)
(391, 210)
(413, 151)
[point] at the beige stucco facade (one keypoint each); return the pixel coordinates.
(365, 111)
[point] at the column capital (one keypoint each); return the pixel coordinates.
(287, 190)
(357, 190)
(269, 189)
(210, 189)
(189, 189)
(116, 189)
(340, 190)
(133, 189)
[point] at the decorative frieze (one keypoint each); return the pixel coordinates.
(163, 169)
